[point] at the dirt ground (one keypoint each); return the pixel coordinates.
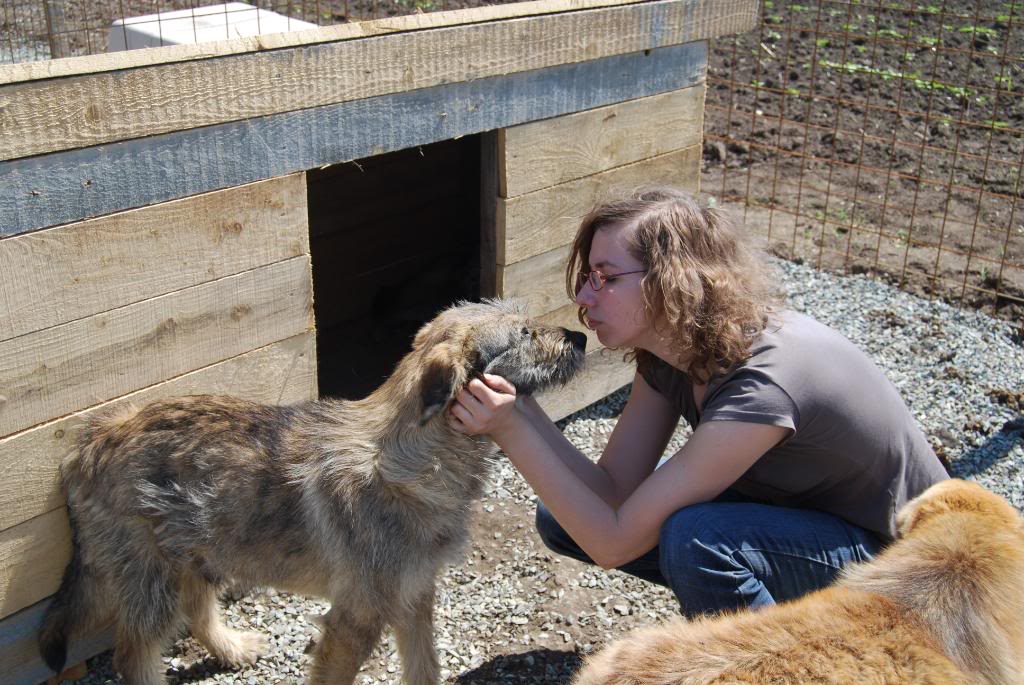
(879, 140)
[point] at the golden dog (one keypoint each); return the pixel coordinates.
(944, 604)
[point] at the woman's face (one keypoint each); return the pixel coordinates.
(616, 311)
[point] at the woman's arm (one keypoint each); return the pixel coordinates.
(634, 447)
(712, 459)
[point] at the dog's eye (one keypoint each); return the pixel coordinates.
(525, 331)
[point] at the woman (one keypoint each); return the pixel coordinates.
(801, 452)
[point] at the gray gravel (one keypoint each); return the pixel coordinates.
(514, 613)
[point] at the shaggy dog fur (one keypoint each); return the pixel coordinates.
(942, 605)
(361, 502)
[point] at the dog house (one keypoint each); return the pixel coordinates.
(273, 216)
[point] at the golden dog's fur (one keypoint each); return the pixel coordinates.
(944, 604)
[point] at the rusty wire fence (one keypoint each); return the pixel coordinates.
(881, 137)
(874, 136)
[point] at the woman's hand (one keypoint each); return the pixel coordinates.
(484, 407)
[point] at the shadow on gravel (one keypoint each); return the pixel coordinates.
(994, 450)
(537, 666)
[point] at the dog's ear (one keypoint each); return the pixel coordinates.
(445, 370)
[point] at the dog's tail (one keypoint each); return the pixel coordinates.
(70, 610)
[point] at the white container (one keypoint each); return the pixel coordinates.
(198, 25)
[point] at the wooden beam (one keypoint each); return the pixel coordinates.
(604, 373)
(545, 153)
(545, 219)
(280, 373)
(539, 282)
(489, 234)
(33, 553)
(32, 560)
(76, 365)
(92, 109)
(19, 646)
(76, 270)
(59, 188)
(130, 59)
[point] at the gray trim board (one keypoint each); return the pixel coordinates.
(20, 662)
(63, 187)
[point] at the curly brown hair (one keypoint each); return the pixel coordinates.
(702, 283)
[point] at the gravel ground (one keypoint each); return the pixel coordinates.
(512, 613)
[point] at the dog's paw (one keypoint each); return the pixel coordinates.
(244, 649)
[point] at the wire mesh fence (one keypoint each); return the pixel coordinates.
(873, 136)
(881, 137)
(44, 29)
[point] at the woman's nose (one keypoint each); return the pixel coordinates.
(585, 296)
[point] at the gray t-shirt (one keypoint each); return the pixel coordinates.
(855, 449)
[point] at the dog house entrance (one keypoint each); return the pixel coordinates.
(394, 239)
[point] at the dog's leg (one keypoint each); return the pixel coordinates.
(347, 640)
(137, 657)
(147, 615)
(230, 647)
(414, 629)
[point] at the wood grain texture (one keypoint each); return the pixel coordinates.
(534, 223)
(32, 560)
(489, 234)
(280, 373)
(88, 64)
(539, 282)
(545, 153)
(92, 109)
(69, 186)
(604, 373)
(59, 370)
(72, 271)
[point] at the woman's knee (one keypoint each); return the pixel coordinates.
(688, 542)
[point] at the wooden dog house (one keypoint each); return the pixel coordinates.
(190, 218)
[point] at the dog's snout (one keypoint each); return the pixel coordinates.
(577, 339)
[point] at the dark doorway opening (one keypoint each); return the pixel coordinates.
(394, 239)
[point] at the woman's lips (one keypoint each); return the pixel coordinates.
(592, 324)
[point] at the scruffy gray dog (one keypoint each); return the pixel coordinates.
(361, 502)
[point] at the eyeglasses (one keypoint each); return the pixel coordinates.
(596, 279)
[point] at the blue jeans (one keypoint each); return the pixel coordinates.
(733, 553)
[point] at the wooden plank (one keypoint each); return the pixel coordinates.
(539, 282)
(33, 553)
(489, 237)
(89, 64)
(545, 219)
(32, 560)
(280, 373)
(19, 647)
(56, 371)
(92, 109)
(604, 373)
(52, 189)
(72, 271)
(544, 153)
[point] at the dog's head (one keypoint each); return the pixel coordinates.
(496, 337)
(956, 496)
